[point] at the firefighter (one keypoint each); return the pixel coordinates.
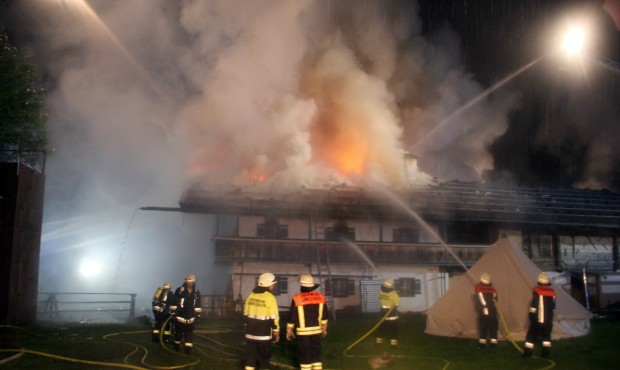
(308, 317)
(486, 296)
(262, 323)
(389, 300)
(187, 309)
(541, 317)
(162, 300)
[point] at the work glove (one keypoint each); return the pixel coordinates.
(276, 336)
(289, 335)
(323, 331)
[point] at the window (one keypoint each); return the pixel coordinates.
(282, 231)
(332, 233)
(408, 287)
(281, 285)
(342, 287)
(406, 234)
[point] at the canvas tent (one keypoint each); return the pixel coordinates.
(514, 275)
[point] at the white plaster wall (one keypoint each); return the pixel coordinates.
(297, 228)
(247, 225)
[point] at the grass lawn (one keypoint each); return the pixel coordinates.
(219, 345)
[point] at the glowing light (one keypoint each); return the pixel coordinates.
(573, 41)
(349, 159)
(89, 268)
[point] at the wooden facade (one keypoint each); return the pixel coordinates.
(21, 214)
(560, 230)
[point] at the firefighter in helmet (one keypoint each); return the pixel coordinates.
(389, 301)
(541, 316)
(262, 323)
(486, 296)
(187, 308)
(308, 315)
(162, 300)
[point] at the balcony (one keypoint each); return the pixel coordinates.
(229, 249)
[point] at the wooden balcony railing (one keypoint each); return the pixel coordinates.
(305, 251)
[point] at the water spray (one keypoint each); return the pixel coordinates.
(120, 256)
(361, 253)
(476, 99)
(396, 200)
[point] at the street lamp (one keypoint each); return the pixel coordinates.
(573, 44)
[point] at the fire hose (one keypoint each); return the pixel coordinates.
(511, 339)
(363, 337)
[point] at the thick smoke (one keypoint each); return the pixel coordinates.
(148, 96)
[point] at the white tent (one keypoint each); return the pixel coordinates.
(514, 277)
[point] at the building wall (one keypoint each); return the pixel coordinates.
(248, 224)
(433, 282)
(21, 215)
(297, 228)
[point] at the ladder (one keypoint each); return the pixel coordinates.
(323, 268)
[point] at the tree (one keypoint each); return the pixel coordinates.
(22, 121)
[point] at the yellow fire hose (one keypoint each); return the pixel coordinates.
(512, 341)
(358, 341)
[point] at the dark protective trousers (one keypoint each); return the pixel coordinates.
(388, 329)
(160, 318)
(309, 348)
(257, 354)
(184, 331)
(539, 333)
(488, 326)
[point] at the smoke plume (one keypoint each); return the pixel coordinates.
(147, 97)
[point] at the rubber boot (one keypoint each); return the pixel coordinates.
(155, 337)
(528, 352)
(546, 351)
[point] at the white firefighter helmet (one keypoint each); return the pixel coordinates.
(388, 283)
(485, 278)
(266, 280)
(191, 278)
(166, 286)
(306, 280)
(543, 278)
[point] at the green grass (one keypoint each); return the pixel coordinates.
(223, 349)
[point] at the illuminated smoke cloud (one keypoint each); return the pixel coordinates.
(149, 96)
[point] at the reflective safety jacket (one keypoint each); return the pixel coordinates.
(162, 300)
(308, 312)
(388, 298)
(486, 295)
(187, 304)
(543, 304)
(261, 315)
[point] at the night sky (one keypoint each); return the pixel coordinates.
(560, 111)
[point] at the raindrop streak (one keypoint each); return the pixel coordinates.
(361, 253)
(394, 198)
(475, 100)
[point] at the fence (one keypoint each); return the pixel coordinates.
(56, 304)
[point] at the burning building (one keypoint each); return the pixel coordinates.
(352, 237)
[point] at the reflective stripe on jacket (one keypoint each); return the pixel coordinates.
(261, 315)
(308, 312)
